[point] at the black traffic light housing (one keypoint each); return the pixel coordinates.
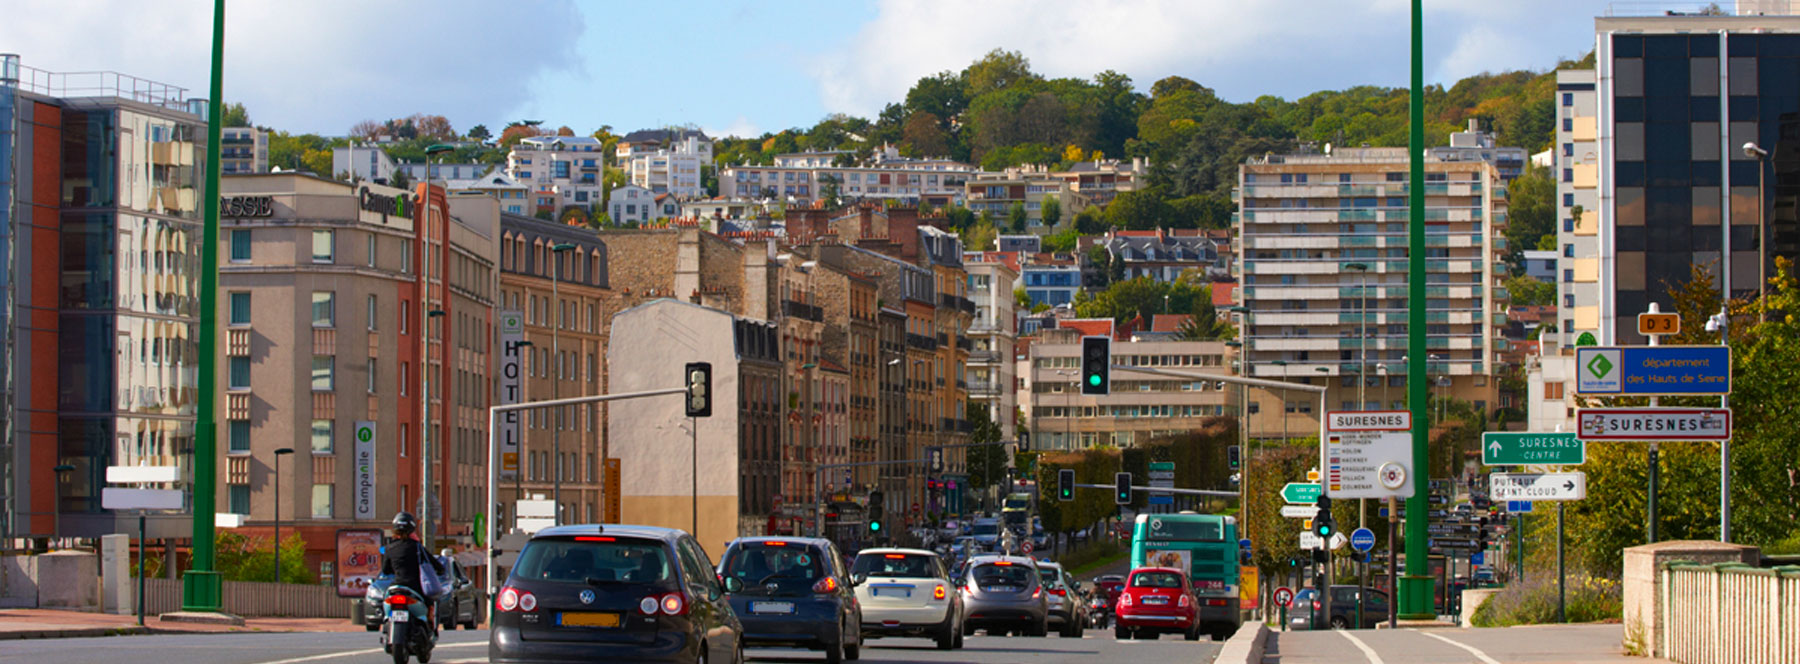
(1233, 456)
(1323, 525)
(699, 389)
(1122, 488)
(875, 513)
(1321, 556)
(1024, 441)
(1065, 484)
(1096, 365)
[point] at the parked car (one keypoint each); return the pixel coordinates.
(1342, 613)
(1156, 601)
(465, 603)
(793, 592)
(907, 592)
(1003, 594)
(620, 593)
(1066, 609)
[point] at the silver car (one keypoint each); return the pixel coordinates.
(1004, 594)
(1066, 609)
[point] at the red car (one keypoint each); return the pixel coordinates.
(1156, 601)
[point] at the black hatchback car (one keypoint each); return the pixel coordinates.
(793, 592)
(625, 593)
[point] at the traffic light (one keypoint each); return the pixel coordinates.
(875, 512)
(1321, 556)
(1096, 365)
(699, 389)
(1024, 441)
(1322, 524)
(1293, 563)
(1065, 485)
(1232, 456)
(1122, 488)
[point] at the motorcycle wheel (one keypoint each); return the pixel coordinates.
(399, 643)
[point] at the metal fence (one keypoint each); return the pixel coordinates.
(1731, 613)
(254, 599)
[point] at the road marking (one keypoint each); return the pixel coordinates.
(1477, 653)
(371, 651)
(1364, 647)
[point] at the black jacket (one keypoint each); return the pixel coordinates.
(401, 559)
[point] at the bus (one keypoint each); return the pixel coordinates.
(1206, 547)
(1016, 512)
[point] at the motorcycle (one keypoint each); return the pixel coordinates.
(1099, 611)
(409, 631)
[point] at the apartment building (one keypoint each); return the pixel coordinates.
(649, 141)
(513, 196)
(1101, 180)
(1029, 187)
(553, 278)
(1576, 166)
(372, 162)
(243, 150)
(636, 204)
(1163, 255)
(1050, 279)
(1323, 240)
(562, 171)
(925, 182)
(1141, 406)
(100, 225)
(674, 169)
(993, 337)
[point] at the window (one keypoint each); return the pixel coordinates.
(1568, 224)
(1568, 175)
(1569, 251)
(237, 433)
(321, 436)
(1568, 99)
(240, 308)
(1568, 124)
(323, 245)
(1568, 200)
(238, 500)
(1569, 300)
(240, 245)
(373, 239)
(1568, 275)
(324, 309)
(405, 306)
(323, 368)
(403, 371)
(371, 375)
(374, 312)
(1553, 390)
(1568, 149)
(321, 501)
(239, 378)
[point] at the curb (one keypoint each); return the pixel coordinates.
(73, 633)
(1245, 646)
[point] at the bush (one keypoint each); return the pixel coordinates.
(1589, 599)
(1091, 556)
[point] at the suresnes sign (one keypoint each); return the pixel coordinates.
(1653, 424)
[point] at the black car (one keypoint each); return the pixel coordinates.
(793, 592)
(622, 593)
(465, 601)
(1342, 612)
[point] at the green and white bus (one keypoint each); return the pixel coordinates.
(1206, 547)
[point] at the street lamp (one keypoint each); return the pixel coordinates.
(557, 319)
(56, 506)
(279, 452)
(1762, 232)
(1362, 340)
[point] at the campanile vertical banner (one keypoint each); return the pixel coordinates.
(512, 333)
(364, 499)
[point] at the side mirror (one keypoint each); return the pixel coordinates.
(858, 579)
(733, 584)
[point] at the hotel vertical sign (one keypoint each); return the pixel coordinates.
(512, 367)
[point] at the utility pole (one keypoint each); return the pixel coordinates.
(1415, 596)
(201, 588)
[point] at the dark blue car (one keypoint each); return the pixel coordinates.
(793, 592)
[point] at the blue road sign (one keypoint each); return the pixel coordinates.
(1383, 512)
(1653, 370)
(1362, 540)
(1162, 500)
(1518, 506)
(1477, 558)
(1244, 543)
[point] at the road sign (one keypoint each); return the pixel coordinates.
(1368, 454)
(1244, 543)
(1586, 339)
(114, 498)
(1310, 541)
(1653, 370)
(1538, 486)
(1518, 449)
(1653, 423)
(534, 515)
(512, 369)
(139, 474)
(1336, 540)
(1312, 475)
(1026, 547)
(1478, 558)
(1301, 493)
(1284, 596)
(1460, 544)
(1518, 506)
(1362, 539)
(1299, 511)
(1649, 324)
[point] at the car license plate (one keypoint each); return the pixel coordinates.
(400, 616)
(772, 607)
(589, 619)
(1156, 600)
(1001, 589)
(892, 592)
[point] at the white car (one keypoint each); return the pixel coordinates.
(907, 592)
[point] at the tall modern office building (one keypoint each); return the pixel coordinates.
(99, 291)
(1676, 99)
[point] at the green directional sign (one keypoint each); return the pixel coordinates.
(1302, 493)
(1524, 449)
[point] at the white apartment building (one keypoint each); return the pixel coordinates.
(648, 141)
(1141, 406)
(991, 371)
(372, 163)
(244, 150)
(1549, 389)
(561, 171)
(1029, 186)
(1577, 172)
(800, 177)
(635, 204)
(674, 170)
(513, 197)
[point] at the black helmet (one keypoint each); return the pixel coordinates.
(405, 524)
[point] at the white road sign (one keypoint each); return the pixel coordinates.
(1538, 486)
(1653, 424)
(138, 474)
(114, 498)
(1368, 454)
(1310, 541)
(1299, 511)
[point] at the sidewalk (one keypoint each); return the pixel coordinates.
(55, 624)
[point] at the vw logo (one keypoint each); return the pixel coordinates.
(772, 587)
(587, 597)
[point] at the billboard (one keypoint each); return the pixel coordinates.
(358, 560)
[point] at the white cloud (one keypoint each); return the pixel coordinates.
(742, 127)
(319, 65)
(1242, 49)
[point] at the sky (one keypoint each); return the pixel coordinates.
(744, 68)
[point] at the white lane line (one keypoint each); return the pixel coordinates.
(1477, 653)
(1364, 647)
(371, 651)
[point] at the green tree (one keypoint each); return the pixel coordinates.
(1531, 214)
(1021, 298)
(980, 236)
(1530, 291)
(828, 190)
(400, 180)
(1139, 210)
(998, 70)
(480, 132)
(987, 463)
(1051, 212)
(235, 116)
(240, 558)
(1062, 241)
(1017, 217)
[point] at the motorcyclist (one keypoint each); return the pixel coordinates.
(401, 558)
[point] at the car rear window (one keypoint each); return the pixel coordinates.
(1051, 578)
(756, 563)
(1156, 580)
(587, 559)
(996, 574)
(905, 565)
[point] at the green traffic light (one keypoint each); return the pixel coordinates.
(1094, 379)
(875, 526)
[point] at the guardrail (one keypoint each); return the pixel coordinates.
(1731, 613)
(250, 598)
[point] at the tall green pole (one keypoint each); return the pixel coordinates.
(1415, 587)
(200, 588)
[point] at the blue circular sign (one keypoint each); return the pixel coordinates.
(1244, 543)
(1362, 540)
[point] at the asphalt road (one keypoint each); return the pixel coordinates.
(1597, 644)
(462, 646)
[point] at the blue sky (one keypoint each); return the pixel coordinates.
(747, 67)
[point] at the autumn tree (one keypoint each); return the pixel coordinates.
(367, 130)
(925, 135)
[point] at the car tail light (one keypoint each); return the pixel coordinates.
(1185, 600)
(1215, 602)
(398, 600)
(527, 602)
(648, 605)
(674, 604)
(1059, 592)
(895, 556)
(826, 585)
(1125, 599)
(509, 599)
(937, 593)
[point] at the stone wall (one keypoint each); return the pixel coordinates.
(1643, 580)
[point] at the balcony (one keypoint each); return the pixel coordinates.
(943, 339)
(921, 342)
(965, 426)
(964, 344)
(946, 424)
(803, 310)
(947, 300)
(984, 357)
(984, 388)
(967, 305)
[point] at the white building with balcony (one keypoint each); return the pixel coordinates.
(561, 171)
(674, 170)
(802, 176)
(1142, 406)
(991, 370)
